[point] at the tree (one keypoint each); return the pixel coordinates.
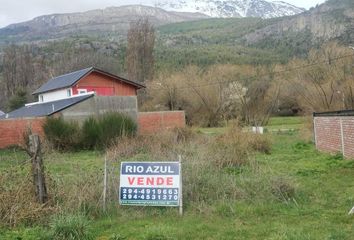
(17, 100)
(165, 92)
(18, 73)
(140, 58)
(325, 82)
(207, 95)
(10, 69)
(259, 97)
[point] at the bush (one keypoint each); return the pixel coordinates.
(18, 204)
(283, 189)
(115, 125)
(91, 133)
(260, 143)
(18, 100)
(61, 134)
(230, 149)
(159, 146)
(95, 133)
(70, 227)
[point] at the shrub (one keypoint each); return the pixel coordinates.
(70, 227)
(230, 149)
(95, 133)
(91, 133)
(283, 189)
(115, 125)
(17, 100)
(183, 134)
(160, 146)
(61, 134)
(18, 204)
(260, 143)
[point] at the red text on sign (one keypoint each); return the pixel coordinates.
(150, 181)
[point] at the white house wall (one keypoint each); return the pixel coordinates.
(53, 96)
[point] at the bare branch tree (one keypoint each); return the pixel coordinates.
(140, 58)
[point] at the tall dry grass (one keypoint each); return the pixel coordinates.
(213, 166)
(215, 169)
(18, 203)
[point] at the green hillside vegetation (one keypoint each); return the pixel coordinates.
(226, 30)
(204, 55)
(292, 44)
(211, 41)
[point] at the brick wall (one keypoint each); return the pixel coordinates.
(335, 134)
(348, 136)
(152, 122)
(12, 130)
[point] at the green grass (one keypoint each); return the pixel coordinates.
(278, 124)
(275, 124)
(275, 121)
(324, 195)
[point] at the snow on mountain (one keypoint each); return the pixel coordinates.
(231, 8)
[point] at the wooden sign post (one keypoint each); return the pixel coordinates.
(38, 169)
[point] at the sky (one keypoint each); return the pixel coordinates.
(13, 11)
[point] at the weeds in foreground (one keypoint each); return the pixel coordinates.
(215, 169)
(18, 204)
(70, 227)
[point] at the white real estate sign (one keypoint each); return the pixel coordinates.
(150, 183)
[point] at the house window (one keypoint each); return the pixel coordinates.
(82, 91)
(68, 92)
(41, 99)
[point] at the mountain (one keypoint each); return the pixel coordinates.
(190, 38)
(112, 21)
(332, 20)
(286, 36)
(232, 8)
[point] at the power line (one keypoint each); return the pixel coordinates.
(273, 73)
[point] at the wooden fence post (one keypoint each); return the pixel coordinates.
(38, 169)
(105, 184)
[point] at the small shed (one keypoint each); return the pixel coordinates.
(334, 132)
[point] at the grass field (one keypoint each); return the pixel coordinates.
(323, 185)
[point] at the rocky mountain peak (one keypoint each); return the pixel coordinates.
(232, 8)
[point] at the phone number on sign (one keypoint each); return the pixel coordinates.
(149, 194)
